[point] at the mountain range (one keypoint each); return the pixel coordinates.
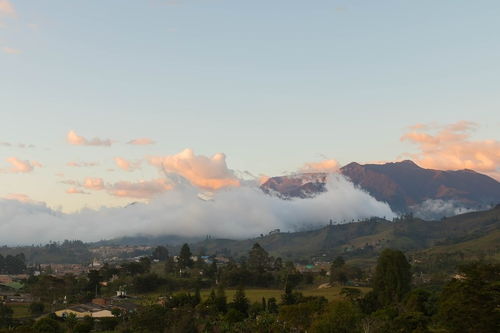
(468, 234)
(403, 185)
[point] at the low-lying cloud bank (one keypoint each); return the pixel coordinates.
(234, 212)
(435, 209)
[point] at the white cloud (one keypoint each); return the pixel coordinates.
(327, 166)
(92, 183)
(237, 212)
(21, 166)
(74, 139)
(451, 148)
(140, 190)
(209, 173)
(141, 142)
(11, 50)
(7, 9)
(74, 190)
(81, 164)
(126, 164)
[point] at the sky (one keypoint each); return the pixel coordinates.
(101, 100)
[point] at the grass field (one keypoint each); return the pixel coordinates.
(255, 295)
(20, 310)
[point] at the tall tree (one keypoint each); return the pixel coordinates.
(240, 301)
(160, 253)
(471, 303)
(221, 299)
(392, 278)
(258, 259)
(5, 315)
(338, 262)
(169, 265)
(185, 257)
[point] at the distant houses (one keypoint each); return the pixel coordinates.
(98, 308)
(85, 310)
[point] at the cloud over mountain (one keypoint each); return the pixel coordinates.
(329, 166)
(209, 173)
(451, 148)
(144, 189)
(237, 212)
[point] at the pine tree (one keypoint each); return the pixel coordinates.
(240, 301)
(185, 257)
(392, 280)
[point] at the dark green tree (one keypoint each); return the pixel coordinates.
(169, 265)
(221, 299)
(341, 317)
(5, 315)
(47, 325)
(36, 308)
(160, 253)
(392, 279)
(184, 259)
(240, 301)
(145, 263)
(272, 305)
(338, 262)
(470, 303)
(258, 259)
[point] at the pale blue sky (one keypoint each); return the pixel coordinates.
(272, 84)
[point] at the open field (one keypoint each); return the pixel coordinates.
(20, 310)
(256, 294)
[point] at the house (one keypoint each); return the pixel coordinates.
(5, 279)
(99, 308)
(84, 310)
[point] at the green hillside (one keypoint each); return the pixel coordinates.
(476, 233)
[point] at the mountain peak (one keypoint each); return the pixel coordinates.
(407, 162)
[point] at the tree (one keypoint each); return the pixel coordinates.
(221, 299)
(147, 282)
(47, 325)
(298, 316)
(392, 279)
(145, 263)
(71, 321)
(149, 319)
(258, 259)
(36, 308)
(5, 315)
(13, 264)
(342, 317)
(169, 265)
(419, 300)
(184, 259)
(134, 268)
(338, 262)
(272, 305)
(278, 264)
(240, 301)
(351, 293)
(160, 253)
(470, 304)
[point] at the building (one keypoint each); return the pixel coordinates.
(84, 310)
(99, 308)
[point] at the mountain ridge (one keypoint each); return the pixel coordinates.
(403, 185)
